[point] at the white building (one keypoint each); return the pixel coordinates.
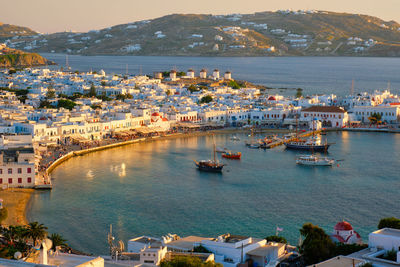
(203, 74)
(344, 233)
(190, 74)
(230, 250)
(216, 74)
(17, 167)
(228, 75)
(152, 255)
(329, 116)
(389, 113)
(172, 75)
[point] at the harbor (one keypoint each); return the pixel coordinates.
(281, 191)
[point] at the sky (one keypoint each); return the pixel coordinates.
(48, 16)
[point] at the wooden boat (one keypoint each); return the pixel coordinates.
(232, 155)
(209, 165)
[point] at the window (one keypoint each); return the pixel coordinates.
(29, 170)
(10, 180)
(1, 171)
(19, 170)
(29, 180)
(9, 171)
(1, 180)
(20, 180)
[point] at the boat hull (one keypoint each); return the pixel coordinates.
(231, 156)
(327, 164)
(320, 148)
(207, 167)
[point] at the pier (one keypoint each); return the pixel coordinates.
(282, 141)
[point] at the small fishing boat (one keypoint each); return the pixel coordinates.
(221, 150)
(232, 155)
(313, 160)
(252, 143)
(235, 138)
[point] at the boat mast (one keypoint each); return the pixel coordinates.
(214, 146)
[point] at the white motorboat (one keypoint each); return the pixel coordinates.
(313, 160)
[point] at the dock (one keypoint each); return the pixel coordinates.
(282, 141)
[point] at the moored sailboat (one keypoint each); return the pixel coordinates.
(210, 165)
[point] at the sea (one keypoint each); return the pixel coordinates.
(315, 75)
(154, 188)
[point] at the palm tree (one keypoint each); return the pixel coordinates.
(36, 231)
(14, 233)
(58, 240)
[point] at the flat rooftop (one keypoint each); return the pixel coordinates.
(186, 243)
(388, 232)
(340, 261)
(147, 240)
(70, 260)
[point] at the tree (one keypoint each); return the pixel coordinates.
(51, 93)
(276, 238)
(375, 118)
(92, 91)
(36, 231)
(391, 222)
(66, 103)
(103, 83)
(234, 84)
(3, 214)
(168, 92)
(299, 92)
(45, 104)
(201, 249)
(15, 234)
(58, 240)
(317, 245)
(95, 106)
(186, 261)
(192, 88)
(206, 99)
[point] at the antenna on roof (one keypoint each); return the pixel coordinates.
(352, 88)
(388, 86)
(126, 69)
(66, 62)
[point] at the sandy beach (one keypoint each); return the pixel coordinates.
(16, 201)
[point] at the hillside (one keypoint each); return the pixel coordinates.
(281, 33)
(13, 31)
(12, 58)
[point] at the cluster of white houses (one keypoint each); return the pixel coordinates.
(158, 104)
(235, 250)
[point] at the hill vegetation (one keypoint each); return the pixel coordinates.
(281, 33)
(19, 59)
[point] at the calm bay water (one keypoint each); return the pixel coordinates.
(329, 75)
(154, 189)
